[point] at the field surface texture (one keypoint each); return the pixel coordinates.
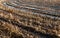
(29, 18)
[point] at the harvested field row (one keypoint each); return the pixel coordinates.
(29, 20)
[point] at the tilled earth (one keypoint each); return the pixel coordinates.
(29, 19)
